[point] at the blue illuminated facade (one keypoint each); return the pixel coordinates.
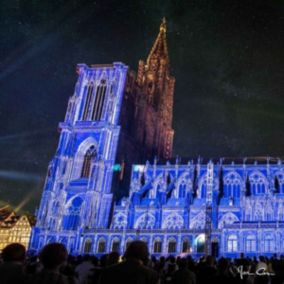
(166, 207)
(168, 203)
(77, 192)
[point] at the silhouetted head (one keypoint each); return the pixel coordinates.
(223, 264)
(210, 260)
(113, 258)
(14, 252)
(137, 250)
(182, 263)
(53, 255)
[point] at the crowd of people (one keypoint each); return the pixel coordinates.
(53, 265)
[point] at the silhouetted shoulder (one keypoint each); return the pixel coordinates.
(129, 272)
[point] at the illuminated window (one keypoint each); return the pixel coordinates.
(232, 243)
(185, 246)
(200, 243)
(269, 243)
(250, 243)
(102, 246)
(87, 246)
(172, 246)
(232, 185)
(115, 245)
(99, 101)
(88, 100)
(258, 183)
(157, 246)
(90, 154)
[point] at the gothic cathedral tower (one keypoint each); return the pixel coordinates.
(77, 194)
(154, 80)
(147, 111)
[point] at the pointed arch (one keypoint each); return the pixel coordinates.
(228, 218)
(145, 221)
(99, 100)
(90, 90)
(87, 245)
(198, 222)
(185, 245)
(89, 144)
(183, 186)
(158, 185)
(101, 247)
(157, 245)
(232, 185)
(200, 243)
(173, 221)
(88, 157)
(280, 177)
(115, 245)
(172, 245)
(119, 221)
(258, 182)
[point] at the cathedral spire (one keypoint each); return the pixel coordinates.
(160, 49)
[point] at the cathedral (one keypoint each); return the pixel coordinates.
(102, 192)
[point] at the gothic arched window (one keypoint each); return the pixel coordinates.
(258, 183)
(200, 243)
(172, 246)
(99, 100)
(232, 185)
(87, 246)
(145, 221)
(90, 154)
(101, 246)
(88, 100)
(157, 246)
(185, 246)
(173, 222)
(115, 245)
(279, 182)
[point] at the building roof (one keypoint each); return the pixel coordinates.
(6, 212)
(9, 218)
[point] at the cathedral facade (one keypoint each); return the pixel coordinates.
(117, 117)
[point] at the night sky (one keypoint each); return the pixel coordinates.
(227, 57)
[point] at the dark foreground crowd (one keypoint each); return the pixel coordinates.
(53, 265)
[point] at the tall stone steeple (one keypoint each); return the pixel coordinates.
(147, 110)
(157, 86)
(159, 51)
